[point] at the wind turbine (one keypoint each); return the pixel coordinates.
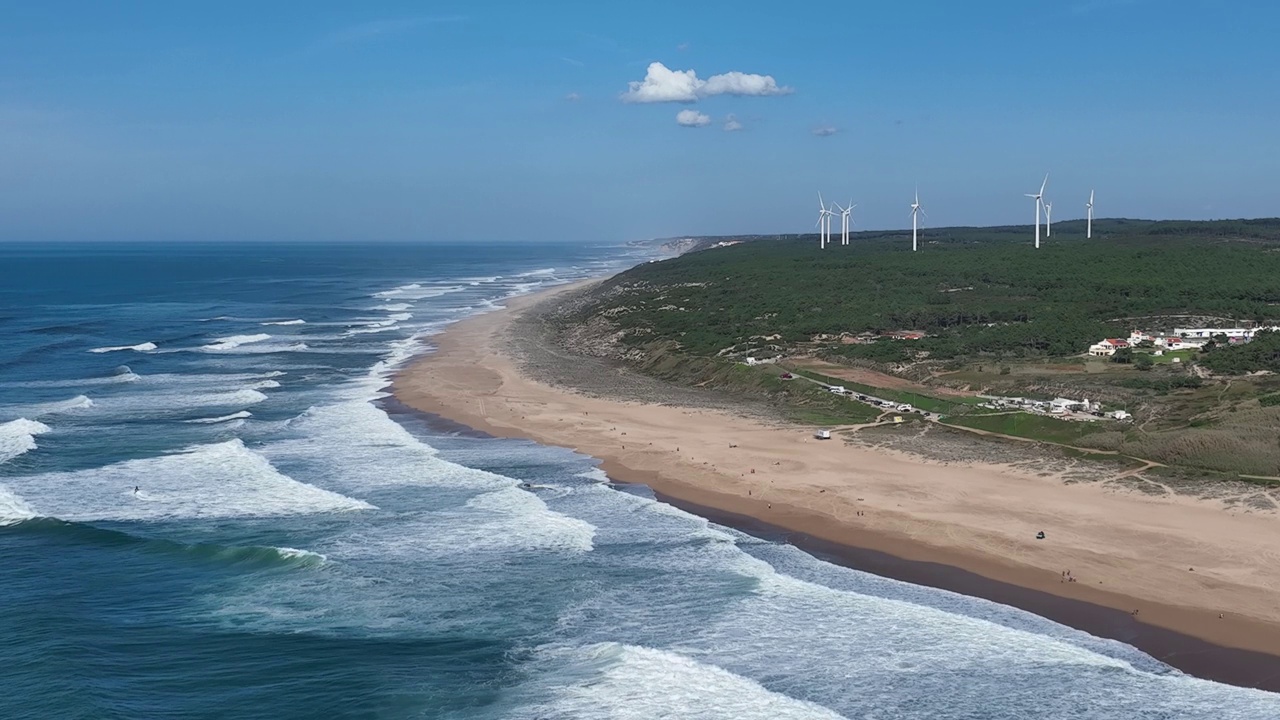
(846, 221)
(1048, 219)
(915, 211)
(1039, 198)
(824, 226)
(1089, 208)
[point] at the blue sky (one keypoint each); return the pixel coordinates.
(503, 120)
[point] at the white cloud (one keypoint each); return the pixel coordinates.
(692, 118)
(825, 130)
(573, 97)
(662, 84)
(731, 124)
(736, 83)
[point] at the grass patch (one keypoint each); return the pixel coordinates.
(1027, 425)
(927, 403)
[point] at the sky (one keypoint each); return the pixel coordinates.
(607, 122)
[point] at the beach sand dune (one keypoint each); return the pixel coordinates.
(1180, 561)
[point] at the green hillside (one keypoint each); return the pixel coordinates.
(999, 318)
(975, 290)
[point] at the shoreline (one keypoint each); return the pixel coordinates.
(472, 380)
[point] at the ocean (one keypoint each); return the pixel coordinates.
(210, 509)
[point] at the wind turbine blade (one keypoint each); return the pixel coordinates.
(1045, 183)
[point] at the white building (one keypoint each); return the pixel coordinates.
(1208, 333)
(1107, 347)
(1061, 405)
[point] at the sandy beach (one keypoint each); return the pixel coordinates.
(1188, 566)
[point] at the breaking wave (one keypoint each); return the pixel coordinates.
(222, 480)
(36, 410)
(18, 437)
(140, 347)
(13, 509)
(225, 418)
(234, 341)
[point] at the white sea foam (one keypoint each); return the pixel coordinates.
(306, 556)
(416, 291)
(621, 682)
(140, 347)
(265, 385)
(125, 376)
(219, 380)
(224, 418)
(13, 509)
(355, 447)
(595, 474)
(57, 407)
(286, 322)
(234, 341)
(168, 402)
(400, 352)
(18, 437)
(246, 396)
(221, 480)
(395, 307)
(514, 519)
(397, 291)
(537, 273)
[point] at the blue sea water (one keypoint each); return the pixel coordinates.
(294, 550)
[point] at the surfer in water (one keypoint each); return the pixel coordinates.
(135, 489)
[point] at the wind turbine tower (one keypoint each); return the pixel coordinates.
(1039, 198)
(1089, 209)
(916, 210)
(846, 221)
(824, 224)
(1048, 219)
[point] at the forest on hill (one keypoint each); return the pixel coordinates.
(972, 290)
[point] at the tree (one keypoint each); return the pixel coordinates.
(1143, 361)
(1123, 356)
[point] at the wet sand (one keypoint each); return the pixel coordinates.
(967, 527)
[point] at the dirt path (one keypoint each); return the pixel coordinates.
(875, 379)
